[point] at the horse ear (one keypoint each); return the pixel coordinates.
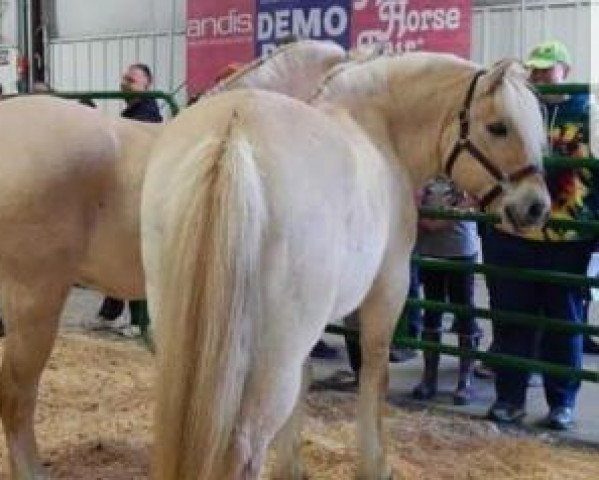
(494, 78)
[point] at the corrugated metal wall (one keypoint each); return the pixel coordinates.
(97, 63)
(497, 31)
(87, 63)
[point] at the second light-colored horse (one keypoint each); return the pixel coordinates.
(280, 217)
(70, 194)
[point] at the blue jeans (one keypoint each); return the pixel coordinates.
(551, 300)
(455, 287)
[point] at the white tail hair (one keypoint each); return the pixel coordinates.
(209, 274)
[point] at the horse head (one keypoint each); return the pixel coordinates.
(437, 113)
(493, 147)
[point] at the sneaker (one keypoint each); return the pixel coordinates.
(559, 418)
(101, 324)
(323, 351)
(505, 413)
(129, 331)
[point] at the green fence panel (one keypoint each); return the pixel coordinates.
(494, 359)
(506, 317)
(532, 321)
(118, 95)
(559, 278)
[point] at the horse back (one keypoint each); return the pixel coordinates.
(327, 193)
(55, 165)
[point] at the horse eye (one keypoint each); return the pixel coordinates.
(497, 129)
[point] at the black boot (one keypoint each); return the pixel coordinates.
(427, 388)
(463, 394)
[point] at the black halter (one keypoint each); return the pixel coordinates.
(464, 143)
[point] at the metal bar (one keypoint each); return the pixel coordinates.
(507, 317)
(564, 88)
(171, 53)
(123, 95)
(523, 29)
(569, 162)
(453, 214)
(29, 29)
(116, 36)
(494, 359)
(503, 360)
(545, 276)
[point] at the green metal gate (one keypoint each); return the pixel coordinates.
(508, 317)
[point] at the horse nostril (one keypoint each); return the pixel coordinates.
(536, 210)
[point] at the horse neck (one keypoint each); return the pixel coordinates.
(296, 73)
(407, 123)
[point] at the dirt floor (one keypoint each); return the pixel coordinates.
(94, 422)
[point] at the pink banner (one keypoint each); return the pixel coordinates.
(406, 25)
(220, 32)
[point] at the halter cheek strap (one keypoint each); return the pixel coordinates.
(464, 143)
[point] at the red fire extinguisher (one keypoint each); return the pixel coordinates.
(22, 69)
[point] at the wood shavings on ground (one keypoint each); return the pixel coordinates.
(94, 421)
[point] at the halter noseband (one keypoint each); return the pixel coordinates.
(464, 143)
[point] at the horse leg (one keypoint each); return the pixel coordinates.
(378, 317)
(33, 312)
(271, 395)
(288, 441)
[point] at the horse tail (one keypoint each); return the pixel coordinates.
(209, 275)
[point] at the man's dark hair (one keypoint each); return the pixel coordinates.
(144, 68)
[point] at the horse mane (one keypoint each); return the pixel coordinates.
(285, 65)
(356, 59)
(247, 69)
(372, 74)
(365, 73)
(522, 106)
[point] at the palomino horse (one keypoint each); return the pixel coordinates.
(263, 218)
(70, 193)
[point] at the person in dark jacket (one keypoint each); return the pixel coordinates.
(137, 78)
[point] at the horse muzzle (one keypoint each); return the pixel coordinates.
(527, 212)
